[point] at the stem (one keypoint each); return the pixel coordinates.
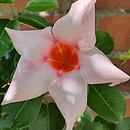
(117, 54)
(14, 10)
(11, 8)
(2, 93)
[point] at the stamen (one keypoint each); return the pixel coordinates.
(53, 60)
(48, 59)
(63, 57)
(45, 58)
(76, 67)
(60, 73)
(59, 48)
(74, 50)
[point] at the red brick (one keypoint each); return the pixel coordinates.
(119, 28)
(127, 107)
(109, 4)
(26, 27)
(53, 18)
(21, 4)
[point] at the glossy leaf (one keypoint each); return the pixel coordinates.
(41, 5)
(14, 24)
(107, 102)
(110, 125)
(34, 20)
(6, 1)
(5, 42)
(99, 126)
(104, 41)
(87, 114)
(125, 125)
(86, 122)
(49, 118)
(20, 115)
(87, 125)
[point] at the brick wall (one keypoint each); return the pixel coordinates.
(112, 16)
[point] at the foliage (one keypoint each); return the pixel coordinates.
(41, 5)
(102, 96)
(6, 1)
(34, 114)
(104, 41)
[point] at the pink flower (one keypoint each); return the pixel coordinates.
(62, 60)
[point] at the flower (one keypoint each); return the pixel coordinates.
(62, 60)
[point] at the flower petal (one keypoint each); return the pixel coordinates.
(97, 68)
(78, 26)
(70, 95)
(32, 44)
(31, 80)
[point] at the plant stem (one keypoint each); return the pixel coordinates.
(117, 54)
(14, 10)
(2, 93)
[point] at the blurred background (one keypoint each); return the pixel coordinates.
(112, 16)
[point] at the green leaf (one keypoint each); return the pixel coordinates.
(6, 1)
(87, 114)
(125, 125)
(105, 122)
(125, 56)
(19, 115)
(2, 93)
(16, 59)
(1, 83)
(7, 63)
(34, 20)
(5, 42)
(107, 102)
(85, 120)
(49, 118)
(104, 41)
(14, 24)
(99, 126)
(41, 5)
(84, 124)
(1, 10)
(87, 125)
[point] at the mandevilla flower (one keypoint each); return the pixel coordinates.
(62, 60)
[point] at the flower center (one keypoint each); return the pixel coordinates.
(63, 57)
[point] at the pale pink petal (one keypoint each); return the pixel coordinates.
(70, 95)
(78, 26)
(97, 68)
(30, 80)
(32, 44)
